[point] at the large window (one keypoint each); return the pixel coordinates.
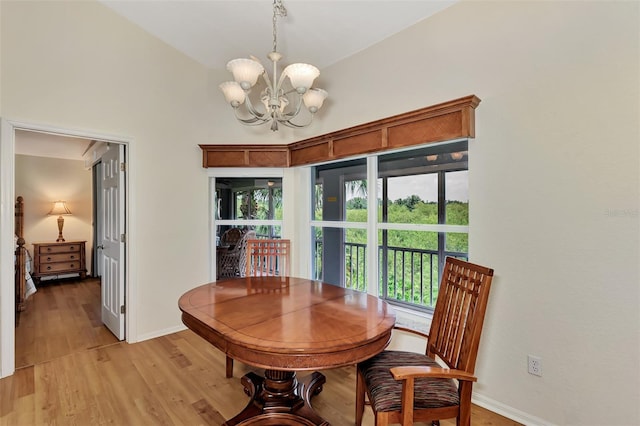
(421, 216)
(423, 191)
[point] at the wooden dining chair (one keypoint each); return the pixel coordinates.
(264, 257)
(406, 387)
(268, 257)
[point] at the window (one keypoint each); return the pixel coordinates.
(422, 216)
(340, 213)
(249, 203)
(423, 190)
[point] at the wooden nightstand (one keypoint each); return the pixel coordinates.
(59, 259)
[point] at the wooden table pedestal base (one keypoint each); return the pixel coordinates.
(279, 399)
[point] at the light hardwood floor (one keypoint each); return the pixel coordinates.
(178, 379)
(60, 318)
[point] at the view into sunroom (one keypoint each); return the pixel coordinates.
(245, 208)
(422, 216)
(249, 203)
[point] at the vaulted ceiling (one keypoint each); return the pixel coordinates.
(212, 32)
(319, 32)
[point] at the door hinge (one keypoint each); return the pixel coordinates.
(123, 167)
(123, 238)
(122, 309)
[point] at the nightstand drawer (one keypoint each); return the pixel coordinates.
(58, 248)
(59, 267)
(63, 257)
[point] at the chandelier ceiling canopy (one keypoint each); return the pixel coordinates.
(282, 98)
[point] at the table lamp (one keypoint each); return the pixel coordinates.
(59, 208)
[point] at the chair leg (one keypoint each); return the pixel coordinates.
(382, 419)
(464, 415)
(360, 391)
(229, 367)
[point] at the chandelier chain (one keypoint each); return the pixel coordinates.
(278, 10)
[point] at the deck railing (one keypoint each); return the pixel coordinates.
(411, 274)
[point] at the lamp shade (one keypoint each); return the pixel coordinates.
(233, 93)
(245, 71)
(301, 76)
(59, 208)
(314, 98)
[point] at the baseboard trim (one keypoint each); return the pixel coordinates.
(507, 411)
(160, 333)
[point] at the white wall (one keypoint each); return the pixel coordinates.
(554, 168)
(554, 190)
(79, 66)
(553, 187)
(40, 181)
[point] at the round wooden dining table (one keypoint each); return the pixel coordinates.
(284, 325)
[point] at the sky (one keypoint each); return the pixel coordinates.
(426, 187)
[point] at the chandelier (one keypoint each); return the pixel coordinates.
(280, 103)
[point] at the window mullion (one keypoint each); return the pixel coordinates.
(442, 219)
(384, 270)
(372, 225)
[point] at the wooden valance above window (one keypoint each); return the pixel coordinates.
(437, 123)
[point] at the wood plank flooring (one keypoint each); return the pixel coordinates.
(178, 379)
(61, 318)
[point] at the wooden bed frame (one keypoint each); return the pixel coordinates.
(21, 256)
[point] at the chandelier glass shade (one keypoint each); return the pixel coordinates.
(282, 99)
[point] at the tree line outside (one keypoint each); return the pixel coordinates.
(412, 260)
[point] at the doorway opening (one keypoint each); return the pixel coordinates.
(115, 200)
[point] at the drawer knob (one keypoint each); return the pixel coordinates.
(72, 257)
(49, 258)
(48, 248)
(72, 248)
(48, 268)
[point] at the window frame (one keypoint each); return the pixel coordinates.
(373, 225)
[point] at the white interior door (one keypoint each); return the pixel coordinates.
(113, 239)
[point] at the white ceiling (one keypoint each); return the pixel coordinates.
(212, 32)
(317, 32)
(47, 145)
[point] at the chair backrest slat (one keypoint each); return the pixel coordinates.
(268, 257)
(459, 313)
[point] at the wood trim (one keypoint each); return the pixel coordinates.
(437, 123)
(245, 156)
(20, 257)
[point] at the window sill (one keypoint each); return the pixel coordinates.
(412, 319)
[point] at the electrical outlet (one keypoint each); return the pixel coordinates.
(535, 365)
